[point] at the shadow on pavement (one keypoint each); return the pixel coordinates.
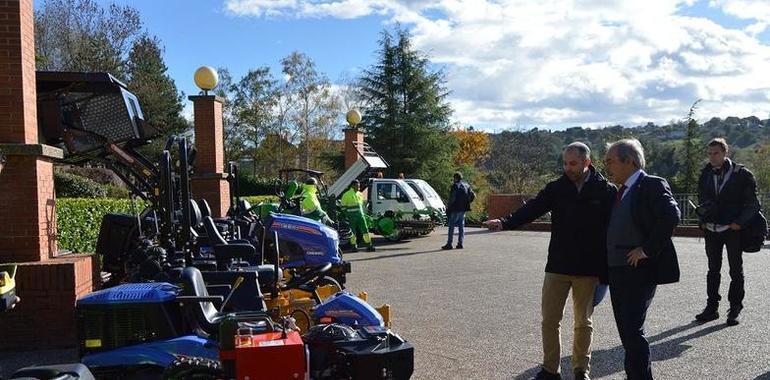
(395, 256)
(610, 361)
(765, 376)
(477, 232)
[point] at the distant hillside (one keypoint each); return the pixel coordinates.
(532, 157)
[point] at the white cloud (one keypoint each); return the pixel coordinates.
(574, 62)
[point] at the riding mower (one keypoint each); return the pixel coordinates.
(289, 190)
(140, 330)
(9, 300)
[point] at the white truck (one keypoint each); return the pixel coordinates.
(395, 209)
(430, 197)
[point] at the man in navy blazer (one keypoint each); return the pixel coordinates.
(640, 252)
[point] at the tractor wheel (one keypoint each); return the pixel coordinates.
(190, 367)
(329, 281)
(395, 236)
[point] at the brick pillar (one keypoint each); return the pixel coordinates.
(210, 180)
(354, 138)
(47, 285)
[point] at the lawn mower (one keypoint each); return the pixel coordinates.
(144, 330)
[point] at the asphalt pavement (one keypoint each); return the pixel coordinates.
(475, 313)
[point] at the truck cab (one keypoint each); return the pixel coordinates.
(430, 197)
(394, 195)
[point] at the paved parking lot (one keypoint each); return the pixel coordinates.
(474, 313)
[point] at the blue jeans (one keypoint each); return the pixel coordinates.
(456, 219)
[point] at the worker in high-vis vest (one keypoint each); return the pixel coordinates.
(353, 204)
(310, 205)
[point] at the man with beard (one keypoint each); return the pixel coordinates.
(580, 202)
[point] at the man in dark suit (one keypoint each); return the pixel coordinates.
(640, 253)
(727, 193)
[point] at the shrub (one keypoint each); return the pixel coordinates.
(117, 192)
(255, 199)
(69, 185)
(102, 176)
(79, 220)
(251, 185)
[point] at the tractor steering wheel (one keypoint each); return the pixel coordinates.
(308, 276)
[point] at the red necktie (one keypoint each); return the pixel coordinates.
(619, 195)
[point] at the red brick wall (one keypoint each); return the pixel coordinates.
(499, 205)
(210, 158)
(27, 210)
(45, 317)
(216, 191)
(352, 136)
(209, 134)
(48, 286)
(18, 123)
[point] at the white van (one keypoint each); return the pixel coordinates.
(430, 197)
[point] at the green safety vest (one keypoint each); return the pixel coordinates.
(351, 201)
(310, 200)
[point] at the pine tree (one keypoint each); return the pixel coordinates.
(692, 152)
(406, 116)
(149, 81)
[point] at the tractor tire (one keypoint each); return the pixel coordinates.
(190, 367)
(396, 236)
(328, 280)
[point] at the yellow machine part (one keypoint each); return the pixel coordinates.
(6, 282)
(299, 305)
(384, 310)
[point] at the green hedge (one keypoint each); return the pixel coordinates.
(70, 185)
(79, 220)
(251, 185)
(254, 199)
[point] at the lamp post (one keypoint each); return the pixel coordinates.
(353, 117)
(354, 137)
(210, 180)
(206, 78)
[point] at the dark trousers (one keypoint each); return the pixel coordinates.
(631, 295)
(715, 241)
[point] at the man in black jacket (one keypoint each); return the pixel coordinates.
(460, 197)
(640, 253)
(727, 193)
(580, 203)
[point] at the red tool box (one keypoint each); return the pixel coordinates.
(269, 355)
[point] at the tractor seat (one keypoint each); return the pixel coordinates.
(202, 315)
(266, 273)
(226, 251)
(223, 224)
(75, 371)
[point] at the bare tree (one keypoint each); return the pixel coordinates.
(81, 35)
(314, 108)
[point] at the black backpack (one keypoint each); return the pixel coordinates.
(471, 194)
(754, 235)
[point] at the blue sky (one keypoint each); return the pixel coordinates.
(509, 63)
(202, 32)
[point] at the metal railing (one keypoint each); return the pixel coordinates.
(689, 218)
